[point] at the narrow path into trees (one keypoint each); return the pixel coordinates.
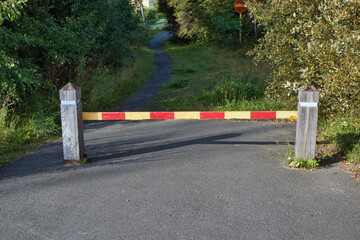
(141, 100)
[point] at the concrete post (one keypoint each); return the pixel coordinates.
(307, 123)
(71, 122)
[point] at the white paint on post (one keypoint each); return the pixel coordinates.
(71, 123)
(307, 123)
(308, 104)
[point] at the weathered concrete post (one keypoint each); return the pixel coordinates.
(307, 123)
(71, 122)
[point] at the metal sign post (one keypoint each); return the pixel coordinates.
(240, 7)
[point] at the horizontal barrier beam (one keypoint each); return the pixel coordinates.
(234, 115)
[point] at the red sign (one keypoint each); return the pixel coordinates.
(240, 6)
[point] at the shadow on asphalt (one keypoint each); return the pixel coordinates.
(49, 159)
(218, 140)
(94, 125)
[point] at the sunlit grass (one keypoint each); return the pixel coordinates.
(214, 78)
(107, 88)
(24, 130)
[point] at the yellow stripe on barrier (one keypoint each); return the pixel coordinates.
(92, 116)
(292, 115)
(228, 115)
(137, 115)
(237, 115)
(187, 115)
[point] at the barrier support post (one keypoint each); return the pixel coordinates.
(307, 123)
(72, 126)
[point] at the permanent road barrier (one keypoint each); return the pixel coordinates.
(72, 120)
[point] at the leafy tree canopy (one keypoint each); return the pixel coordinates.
(45, 43)
(315, 42)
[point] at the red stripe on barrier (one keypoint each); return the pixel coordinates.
(113, 116)
(212, 115)
(162, 115)
(263, 115)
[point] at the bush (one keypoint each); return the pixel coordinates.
(205, 21)
(313, 42)
(48, 43)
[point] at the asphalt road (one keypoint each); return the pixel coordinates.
(177, 180)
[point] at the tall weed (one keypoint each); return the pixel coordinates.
(32, 122)
(232, 89)
(344, 133)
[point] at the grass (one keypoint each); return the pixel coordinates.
(157, 25)
(343, 134)
(31, 125)
(107, 88)
(207, 78)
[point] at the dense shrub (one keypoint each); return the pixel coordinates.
(47, 43)
(205, 21)
(169, 12)
(312, 42)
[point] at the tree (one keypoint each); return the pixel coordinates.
(45, 43)
(205, 21)
(313, 42)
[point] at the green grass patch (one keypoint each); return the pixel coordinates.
(28, 127)
(343, 132)
(158, 25)
(108, 88)
(208, 78)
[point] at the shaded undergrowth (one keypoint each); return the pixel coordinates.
(33, 123)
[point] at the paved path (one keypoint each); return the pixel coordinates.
(141, 100)
(177, 180)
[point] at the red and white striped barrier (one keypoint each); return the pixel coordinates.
(233, 115)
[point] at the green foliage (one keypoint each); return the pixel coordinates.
(179, 83)
(38, 119)
(206, 21)
(38, 122)
(313, 163)
(293, 162)
(150, 13)
(169, 12)
(354, 155)
(48, 43)
(232, 89)
(211, 78)
(105, 89)
(11, 10)
(312, 42)
(344, 133)
(237, 88)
